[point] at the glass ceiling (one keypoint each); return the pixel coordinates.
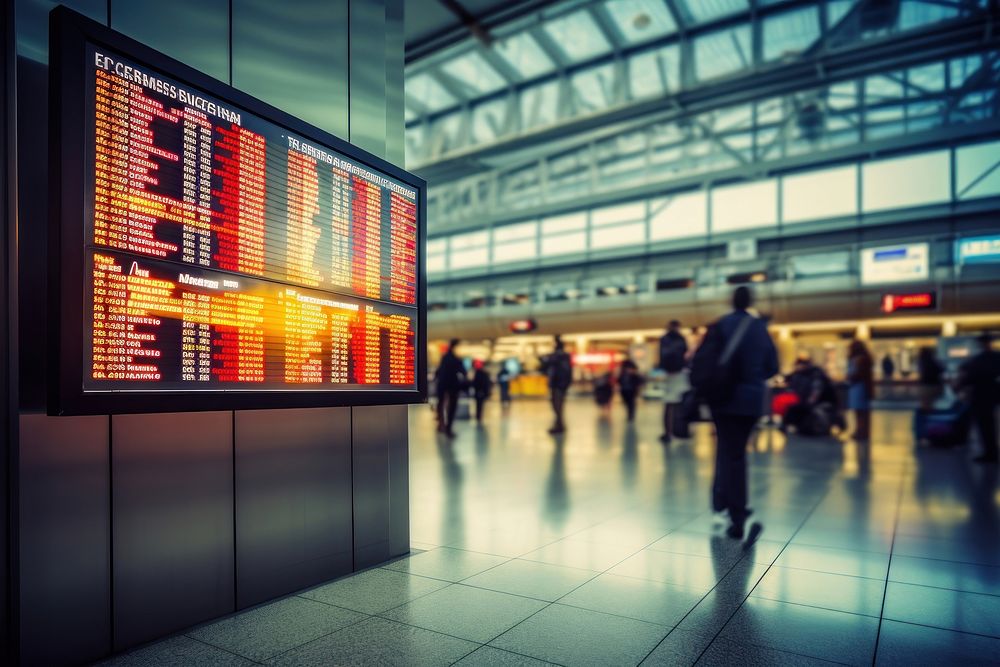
(583, 56)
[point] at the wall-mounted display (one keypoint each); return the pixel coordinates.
(978, 250)
(212, 252)
(895, 264)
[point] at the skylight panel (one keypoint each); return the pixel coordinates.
(641, 20)
(577, 35)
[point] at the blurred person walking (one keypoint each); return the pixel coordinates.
(673, 359)
(450, 379)
(604, 392)
(503, 379)
(930, 386)
(888, 367)
(860, 388)
(979, 377)
(629, 383)
(730, 369)
(559, 369)
(482, 387)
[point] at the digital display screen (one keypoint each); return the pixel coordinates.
(895, 264)
(226, 252)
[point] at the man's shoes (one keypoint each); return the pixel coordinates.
(556, 430)
(735, 531)
(450, 434)
(985, 459)
(665, 438)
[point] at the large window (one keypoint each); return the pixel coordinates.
(515, 243)
(914, 180)
(678, 216)
(745, 206)
(815, 195)
(469, 250)
(564, 234)
(977, 171)
(616, 226)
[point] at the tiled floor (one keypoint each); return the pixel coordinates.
(597, 548)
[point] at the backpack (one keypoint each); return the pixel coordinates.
(713, 375)
(671, 354)
(560, 370)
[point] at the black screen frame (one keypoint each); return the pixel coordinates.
(69, 35)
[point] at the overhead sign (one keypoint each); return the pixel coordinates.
(739, 250)
(216, 252)
(523, 326)
(918, 301)
(895, 264)
(978, 250)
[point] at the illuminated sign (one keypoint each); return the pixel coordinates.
(919, 301)
(523, 326)
(978, 250)
(597, 358)
(895, 264)
(217, 253)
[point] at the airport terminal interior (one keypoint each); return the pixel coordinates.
(479, 332)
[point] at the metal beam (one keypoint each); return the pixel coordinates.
(900, 51)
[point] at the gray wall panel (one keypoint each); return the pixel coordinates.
(399, 479)
(196, 32)
(293, 500)
(295, 60)
(65, 604)
(172, 481)
(368, 80)
(370, 431)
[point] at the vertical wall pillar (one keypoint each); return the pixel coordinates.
(381, 482)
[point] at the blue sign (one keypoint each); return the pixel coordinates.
(978, 250)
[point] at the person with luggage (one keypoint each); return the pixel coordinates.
(629, 383)
(730, 370)
(604, 392)
(559, 370)
(860, 388)
(482, 387)
(979, 378)
(450, 379)
(673, 359)
(815, 408)
(930, 386)
(503, 379)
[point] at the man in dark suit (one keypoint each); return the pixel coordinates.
(979, 376)
(754, 360)
(450, 379)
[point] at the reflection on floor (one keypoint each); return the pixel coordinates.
(598, 548)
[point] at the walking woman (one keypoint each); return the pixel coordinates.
(860, 388)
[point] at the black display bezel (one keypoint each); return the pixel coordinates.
(70, 33)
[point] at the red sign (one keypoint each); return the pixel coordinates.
(920, 301)
(523, 326)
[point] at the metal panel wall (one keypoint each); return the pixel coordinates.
(295, 60)
(170, 540)
(381, 487)
(172, 522)
(368, 80)
(65, 605)
(370, 437)
(293, 499)
(399, 479)
(193, 31)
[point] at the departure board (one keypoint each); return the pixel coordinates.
(227, 250)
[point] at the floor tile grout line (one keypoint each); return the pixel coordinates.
(888, 569)
(938, 627)
(223, 649)
(779, 650)
(323, 636)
